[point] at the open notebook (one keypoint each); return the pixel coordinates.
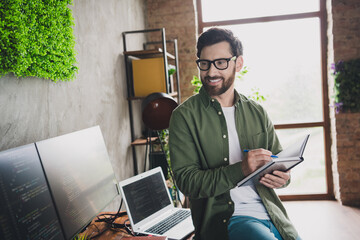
(284, 161)
(150, 208)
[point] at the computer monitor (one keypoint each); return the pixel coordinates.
(26, 207)
(53, 188)
(80, 176)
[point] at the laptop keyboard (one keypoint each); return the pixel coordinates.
(169, 222)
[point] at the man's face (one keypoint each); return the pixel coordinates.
(217, 82)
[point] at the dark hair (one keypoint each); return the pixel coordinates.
(215, 35)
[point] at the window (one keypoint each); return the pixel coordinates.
(214, 10)
(283, 51)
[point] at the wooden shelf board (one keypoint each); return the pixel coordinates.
(148, 53)
(173, 94)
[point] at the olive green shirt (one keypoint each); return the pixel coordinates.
(199, 153)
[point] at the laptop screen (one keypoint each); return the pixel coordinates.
(146, 196)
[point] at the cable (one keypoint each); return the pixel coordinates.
(114, 216)
(110, 221)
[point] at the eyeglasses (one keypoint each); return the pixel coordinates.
(220, 63)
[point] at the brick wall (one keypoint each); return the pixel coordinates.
(344, 44)
(348, 164)
(178, 17)
(346, 29)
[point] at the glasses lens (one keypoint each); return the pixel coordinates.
(204, 65)
(221, 64)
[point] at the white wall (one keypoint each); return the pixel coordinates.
(33, 109)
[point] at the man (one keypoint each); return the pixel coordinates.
(208, 134)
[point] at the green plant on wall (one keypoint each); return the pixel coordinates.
(37, 40)
(347, 85)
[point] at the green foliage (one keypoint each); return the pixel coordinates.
(196, 82)
(257, 96)
(164, 138)
(37, 40)
(171, 71)
(242, 73)
(82, 237)
(347, 85)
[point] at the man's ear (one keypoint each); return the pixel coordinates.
(239, 63)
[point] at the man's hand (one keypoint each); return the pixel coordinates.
(275, 180)
(255, 159)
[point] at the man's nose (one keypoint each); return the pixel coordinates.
(212, 70)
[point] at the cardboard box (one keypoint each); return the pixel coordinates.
(148, 76)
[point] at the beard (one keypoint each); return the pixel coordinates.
(218, 90)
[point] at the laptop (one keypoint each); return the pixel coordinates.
(150, 208)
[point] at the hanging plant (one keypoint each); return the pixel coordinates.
(37, 40)
(347, 85)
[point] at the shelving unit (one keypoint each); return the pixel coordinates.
(146, 53)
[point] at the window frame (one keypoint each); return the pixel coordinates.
(325, 124)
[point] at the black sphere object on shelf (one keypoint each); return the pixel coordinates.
(157, 109)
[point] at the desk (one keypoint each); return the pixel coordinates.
(108, 233)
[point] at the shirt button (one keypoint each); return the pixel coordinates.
(212, 100)
(219, 113)
(230, 203)
(224, 220)
(224, 136)
(225, 159)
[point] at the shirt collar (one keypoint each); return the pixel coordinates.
(207, 100)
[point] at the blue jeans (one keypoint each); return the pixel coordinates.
(250, 228)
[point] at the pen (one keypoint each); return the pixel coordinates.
(273, 156)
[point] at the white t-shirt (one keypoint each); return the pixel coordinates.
(246, 199)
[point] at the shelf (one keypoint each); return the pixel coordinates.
(159, 50)
(148, 53)
(142, 141)
(172, 94)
